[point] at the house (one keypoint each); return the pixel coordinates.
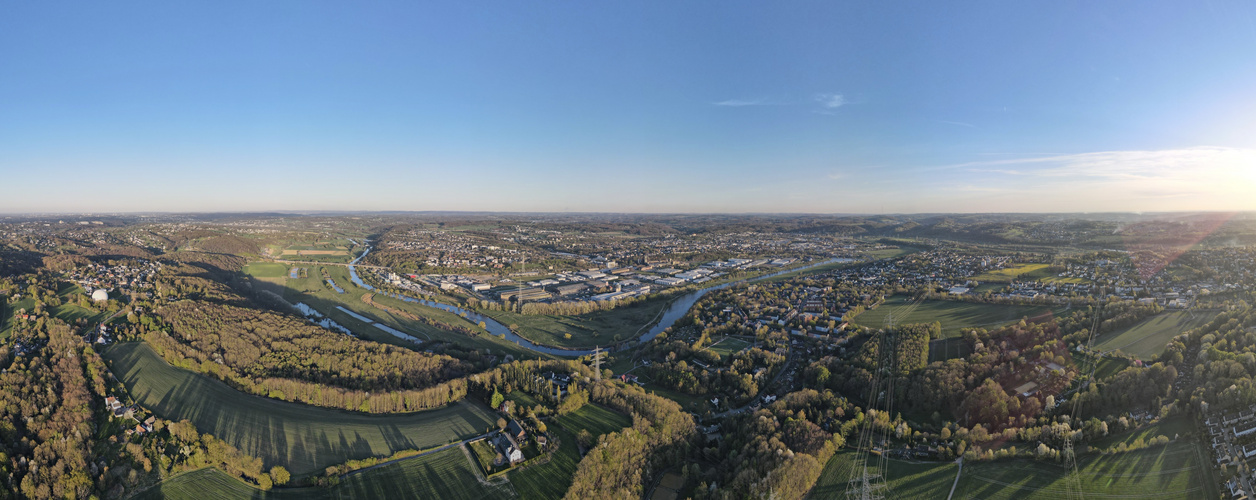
(515, 430)
(508, 448)
(506, 406)
(628, 377)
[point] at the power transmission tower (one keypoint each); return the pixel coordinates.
(865, 484)
(597, 362)
(1073, 483)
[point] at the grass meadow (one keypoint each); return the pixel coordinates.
(445, 475)
(954, 316)
(1148, 337)
(304, 439)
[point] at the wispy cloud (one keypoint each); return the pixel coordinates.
(737, 103)
(1204, 177)
(831, 101)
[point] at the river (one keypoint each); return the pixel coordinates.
(674, 311)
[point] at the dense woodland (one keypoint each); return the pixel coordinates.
(286, 358)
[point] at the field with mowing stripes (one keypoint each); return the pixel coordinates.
(304, 439)
(905, 479)
(596, 419)
(1171, 471)
(954, 316)
(446, 475)
(1149, 336)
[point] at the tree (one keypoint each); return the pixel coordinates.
(501, 423)
(280, 475)
(497, 399)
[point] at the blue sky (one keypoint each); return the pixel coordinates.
(628, 106)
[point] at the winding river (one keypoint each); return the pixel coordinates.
(674, 311)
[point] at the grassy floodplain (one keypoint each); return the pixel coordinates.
(586, 330)
(304, 439)
(1148, 337)
(954, 316)
(313, 291)
(446, 475)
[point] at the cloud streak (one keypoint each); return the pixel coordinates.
(738, 103)
(1204, 177)
(831, 101)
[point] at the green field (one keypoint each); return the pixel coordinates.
(446, 475)
(1172, 471)
(304, 439)
(587, 330)
(728, 346)
(266, 270)
(1171, 428)
(551, 480)
(595, 419)
(905, 479)
(1022, 272)
(1149, 336)
(954, 316)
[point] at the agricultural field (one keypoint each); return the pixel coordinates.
(587, 330)
(332, 250)
(954, 316)
(905, 479)
(1148, 338)
(304, 439)
(595, 419)
(266, 270)
(1171, 471)
(446, 475)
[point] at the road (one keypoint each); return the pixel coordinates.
(959, 461)
(345, 264)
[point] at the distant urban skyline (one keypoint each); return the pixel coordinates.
(694, 107)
